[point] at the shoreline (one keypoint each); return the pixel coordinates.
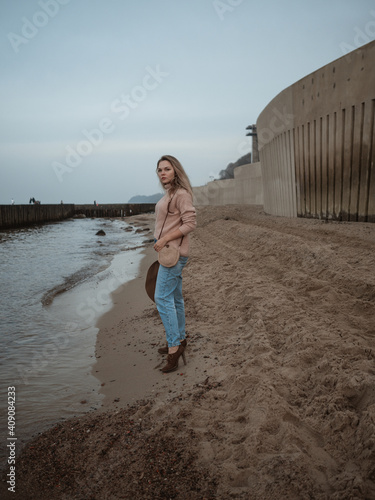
(277, 395)
(50, 349)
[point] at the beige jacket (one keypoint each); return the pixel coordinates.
(181, 215)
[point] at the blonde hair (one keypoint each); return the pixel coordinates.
(181, 180)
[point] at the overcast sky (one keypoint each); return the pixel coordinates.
(93, 92)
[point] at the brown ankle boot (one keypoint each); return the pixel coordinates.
(164, 350)
(172, 360)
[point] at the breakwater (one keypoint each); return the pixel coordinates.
(26, 215)
(114, 209)
(12, 216)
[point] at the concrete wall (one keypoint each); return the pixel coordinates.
(248, 184)
(24, 215)
(246, 188)
(215, 193)
(317, 143)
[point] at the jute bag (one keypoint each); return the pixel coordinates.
(168, 256)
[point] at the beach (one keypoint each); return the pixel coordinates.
(277, 398)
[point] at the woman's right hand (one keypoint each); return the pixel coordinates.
(160, 244)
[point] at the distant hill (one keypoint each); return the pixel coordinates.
(153, 198)
(228, 173)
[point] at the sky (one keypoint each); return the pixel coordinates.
(93, 92)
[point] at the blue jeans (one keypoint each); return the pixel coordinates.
(170, 303)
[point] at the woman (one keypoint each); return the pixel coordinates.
(175, 219)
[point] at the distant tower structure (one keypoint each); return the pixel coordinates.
(254, 148)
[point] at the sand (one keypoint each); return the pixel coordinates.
(277, 400)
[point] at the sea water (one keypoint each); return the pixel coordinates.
(56, 281)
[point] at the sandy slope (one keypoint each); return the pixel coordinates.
(278, 397)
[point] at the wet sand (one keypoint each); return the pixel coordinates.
(277, 398)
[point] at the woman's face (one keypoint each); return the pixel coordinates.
(165, 172)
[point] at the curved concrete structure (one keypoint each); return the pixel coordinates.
(317, 145)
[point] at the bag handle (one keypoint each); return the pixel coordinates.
(170, 201)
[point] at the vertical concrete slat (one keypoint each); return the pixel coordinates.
(289, 174)
(365, 160)
(330, 166)
(289, 180)
(324, 166)
(356, 164)
(297, 155)
(272, 169)
(306, 142)
(294, 154)
(280, 190)
(313, 174)
(285, 191)
(347, 163)
(340, 149)
(303, 171)
(272, 174)
(371, 176)
(280, 183)
(268, 197)
(318, 156)
(262, 159)
(278, 180)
